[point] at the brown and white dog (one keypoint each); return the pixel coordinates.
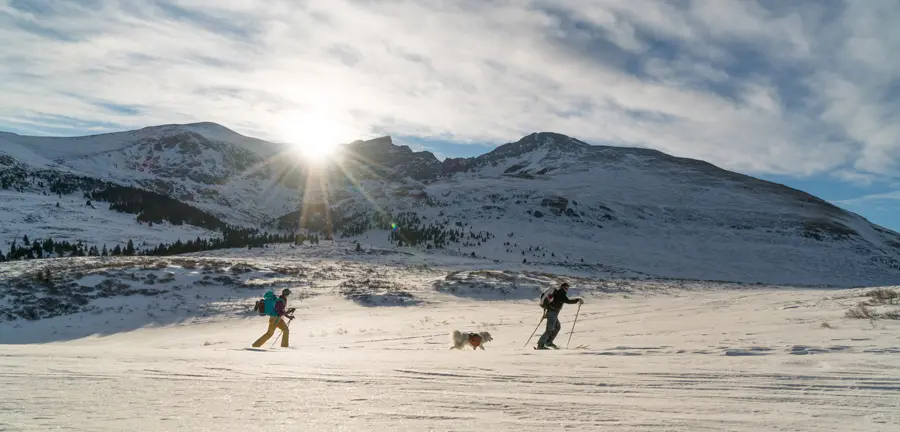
(476, 340)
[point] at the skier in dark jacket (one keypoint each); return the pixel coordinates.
(552, 304)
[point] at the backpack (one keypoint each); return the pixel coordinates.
(547, 297)
(266, 306)
(260, 307)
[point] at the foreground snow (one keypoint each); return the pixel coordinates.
(659, 356)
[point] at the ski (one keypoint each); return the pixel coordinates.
(548, 349)
(255, 349)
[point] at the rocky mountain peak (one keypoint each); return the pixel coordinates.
(535, 141)
(385, 143)
(209, 131)
(382, 156)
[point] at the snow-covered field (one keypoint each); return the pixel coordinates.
(370, 351)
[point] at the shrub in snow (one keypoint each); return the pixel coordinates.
(860, 311)
(883, 296)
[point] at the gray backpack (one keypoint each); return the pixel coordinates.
(547, 297)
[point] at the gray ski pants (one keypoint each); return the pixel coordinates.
(553, 328)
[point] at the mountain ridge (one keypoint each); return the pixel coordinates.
(546, 198)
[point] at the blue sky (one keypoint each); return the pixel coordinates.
(804, 93)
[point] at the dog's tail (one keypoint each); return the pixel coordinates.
(456, 335)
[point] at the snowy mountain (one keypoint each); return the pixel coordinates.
(422, 248)
(206, 164)
(545, 200)
(552, 199)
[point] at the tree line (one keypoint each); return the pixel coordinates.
(410, 229)
(49, 248)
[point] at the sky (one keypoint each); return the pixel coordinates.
(804, 93)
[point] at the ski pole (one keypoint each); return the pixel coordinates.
(573, 325)
(535, 330)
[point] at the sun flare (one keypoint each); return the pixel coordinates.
(315, 137)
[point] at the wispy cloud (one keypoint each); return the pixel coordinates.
(796, 88)
(886, 197)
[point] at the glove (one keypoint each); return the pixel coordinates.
(581, 301)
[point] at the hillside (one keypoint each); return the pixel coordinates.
(215, 169)
(545, 200)
(551, 199)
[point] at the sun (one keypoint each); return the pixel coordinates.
(315, 137)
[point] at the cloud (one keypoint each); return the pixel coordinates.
(885, 197)
(795, 88)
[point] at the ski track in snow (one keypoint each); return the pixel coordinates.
(663, 356)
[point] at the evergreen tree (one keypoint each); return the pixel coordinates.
(358, 247)
(117, 251)
(25, 240)
(129, 249)
(104, 252)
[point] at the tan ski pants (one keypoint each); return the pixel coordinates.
(274, 322)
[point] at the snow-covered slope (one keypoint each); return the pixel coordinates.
(38, 217)
(232, 176)
(58, 149)
(546, 199)
(164, 343)
(551, 199)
